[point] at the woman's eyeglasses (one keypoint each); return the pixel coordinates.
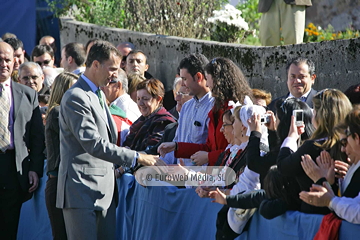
(182, 95)
(343, 142)
(226, 124)
(46, 62)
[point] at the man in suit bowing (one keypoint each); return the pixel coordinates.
(88, 151)
(21, 144)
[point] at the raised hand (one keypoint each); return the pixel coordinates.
(166, 147)
(200, 158)
(319, 196)
(150, 160)
(254, 123)
(341, 168)
(311, 169)
(327, 166)
(295, 131)
(218, 196)
(272, 124)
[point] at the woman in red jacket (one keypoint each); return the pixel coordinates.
(227, 83)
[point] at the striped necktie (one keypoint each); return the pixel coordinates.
(4, 123)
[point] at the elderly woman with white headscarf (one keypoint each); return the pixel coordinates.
(248, 180)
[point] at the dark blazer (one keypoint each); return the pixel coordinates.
(308, 101)
(52, 139)
(29, 137)
(264, 5)
(353, 189)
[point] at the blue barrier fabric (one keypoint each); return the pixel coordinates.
(19, 17)
(171, 213)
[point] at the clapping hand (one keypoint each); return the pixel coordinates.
(218, 196)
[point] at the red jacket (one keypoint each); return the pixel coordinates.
(215, 142)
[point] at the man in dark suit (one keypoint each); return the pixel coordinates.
(301, 76)
(86, 181)
(21, 144)
(284, 18)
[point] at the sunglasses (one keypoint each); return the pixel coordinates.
(343, 142)
(347, 132)
(46, 62)
(182, 94)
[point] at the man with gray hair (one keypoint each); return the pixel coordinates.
(116, 93)
(31, 75)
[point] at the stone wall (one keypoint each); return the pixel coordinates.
(337, 62)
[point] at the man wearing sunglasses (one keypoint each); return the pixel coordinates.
(43, 55)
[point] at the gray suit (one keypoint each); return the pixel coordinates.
(264, 5)
(88, 151)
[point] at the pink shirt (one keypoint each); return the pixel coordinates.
(7, 88)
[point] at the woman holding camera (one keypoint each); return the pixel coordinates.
(279, 198)
(330, 107)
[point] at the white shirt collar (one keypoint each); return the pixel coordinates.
(303, 96)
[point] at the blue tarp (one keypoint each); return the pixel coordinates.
(19, 17)
(171, 213)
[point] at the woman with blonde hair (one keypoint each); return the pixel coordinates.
(52, 139)
(330, 108)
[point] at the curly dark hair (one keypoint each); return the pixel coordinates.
(229, 82)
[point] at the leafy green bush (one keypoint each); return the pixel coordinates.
(183, 18)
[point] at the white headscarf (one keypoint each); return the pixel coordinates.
(246, 112)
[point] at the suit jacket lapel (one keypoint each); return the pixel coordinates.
(17, 98)
(112, 126)
(96, 104)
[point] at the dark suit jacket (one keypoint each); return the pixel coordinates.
(353, 189)
(29, 139)
(308, 101)
(52, 139)
(264, 5)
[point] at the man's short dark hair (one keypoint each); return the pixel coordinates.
(41, 50)
(15, 43)
(138, 51)
(76, 51)
(300, 60)
(194, 63)
(93, 40)
(101, 51)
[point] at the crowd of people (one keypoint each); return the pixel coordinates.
(101, 114)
